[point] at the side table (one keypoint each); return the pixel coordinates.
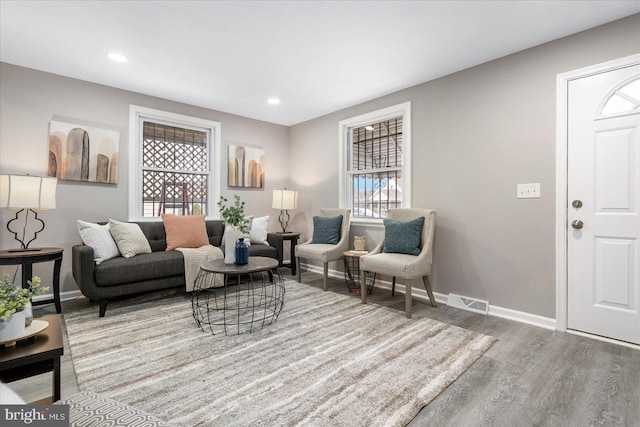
(352, 273)
(34, 356)
(293, 237)
(27, 258)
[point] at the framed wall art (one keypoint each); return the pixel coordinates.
(83, 153)
(246, 167)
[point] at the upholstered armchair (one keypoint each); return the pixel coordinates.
(324, 232)
(397, 261)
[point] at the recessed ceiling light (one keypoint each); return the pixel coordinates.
(273, 101)
(117, 57)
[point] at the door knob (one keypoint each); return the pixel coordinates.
(577, 224)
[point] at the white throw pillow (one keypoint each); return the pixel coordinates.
(259, 232)
(129, 237)
(99, 238)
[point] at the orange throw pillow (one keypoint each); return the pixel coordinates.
(185, 231)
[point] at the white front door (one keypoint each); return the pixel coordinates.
(603, 237)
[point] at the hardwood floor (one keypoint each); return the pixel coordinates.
(530, 377)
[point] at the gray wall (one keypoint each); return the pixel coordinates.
(30, 99)
(476, 134)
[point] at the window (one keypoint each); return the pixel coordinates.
(174, 165)
(625, 99)
(375, 163)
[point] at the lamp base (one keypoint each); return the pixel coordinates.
(25, 250)
(284, 219)
(25, 246)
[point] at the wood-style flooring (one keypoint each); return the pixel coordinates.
(530, 377)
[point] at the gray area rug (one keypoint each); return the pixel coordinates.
(327, 361)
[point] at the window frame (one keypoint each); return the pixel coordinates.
(137, 116)
(345, 190)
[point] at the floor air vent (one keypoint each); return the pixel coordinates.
(469, 304)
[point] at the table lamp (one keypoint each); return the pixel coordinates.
(284, 200)
(27, 193)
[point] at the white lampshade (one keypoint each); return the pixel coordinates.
(27, 192)
(285, 199)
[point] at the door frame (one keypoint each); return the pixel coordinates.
(562, 141)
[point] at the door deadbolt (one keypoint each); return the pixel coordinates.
(576, 204)
(577, 224)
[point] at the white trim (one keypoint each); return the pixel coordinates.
(64, 296)
(136, 115)
(605, 339)
(403, 110)
(523, 317)
(562, 86)
(420, 293)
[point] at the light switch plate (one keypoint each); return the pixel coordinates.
(528, 191)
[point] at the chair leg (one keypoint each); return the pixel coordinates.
(407, 295)
(427, 287)
(363, 286)
(393, 286)
(325, 277)
(299, 271)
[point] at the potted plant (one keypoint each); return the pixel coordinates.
(13, 302)
(235, 221)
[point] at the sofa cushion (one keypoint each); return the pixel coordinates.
(215, 230)
(263, 250)
(129, 237)
(258, 234)
(156, 235)
(185, 231)
(99, 238)
(142, 267)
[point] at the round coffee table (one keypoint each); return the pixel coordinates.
(237, 299)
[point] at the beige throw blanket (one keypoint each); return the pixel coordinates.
(193, 257)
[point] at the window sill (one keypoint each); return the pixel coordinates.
(367, 222)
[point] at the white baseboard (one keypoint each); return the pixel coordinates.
(64, 296)
(522, 316)
(420, 293)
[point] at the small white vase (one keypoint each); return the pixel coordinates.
(28, 314)
(13, 327)
(230, 244)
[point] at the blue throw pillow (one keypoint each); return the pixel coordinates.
(326, 229)
(403, 237)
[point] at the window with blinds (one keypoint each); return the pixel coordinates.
(376, 164)
(175, 170)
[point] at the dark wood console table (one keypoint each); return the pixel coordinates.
(34, 356)
(27, 258)
(293, 237)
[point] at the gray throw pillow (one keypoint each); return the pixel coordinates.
(129, 237)
(403, 237)
(326, 229)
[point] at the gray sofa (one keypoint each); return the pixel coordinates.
(157, 270)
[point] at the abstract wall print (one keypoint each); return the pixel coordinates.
(246, 167)
(83, 153)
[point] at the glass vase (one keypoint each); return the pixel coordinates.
(242, 252)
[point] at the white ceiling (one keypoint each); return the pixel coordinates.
(316, 56)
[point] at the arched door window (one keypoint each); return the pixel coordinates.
(625, 99)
